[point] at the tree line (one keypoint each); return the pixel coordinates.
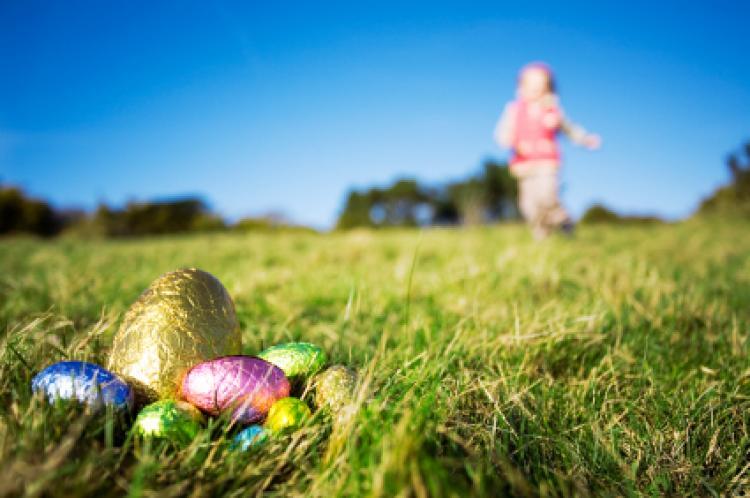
(20, 213)
(487, 196)
(734, 197)
(490, 196)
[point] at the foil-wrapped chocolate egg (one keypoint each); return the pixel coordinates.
(287, 415)
(251, 437)
(334, 387)
(246, 385)
(87, 383)
(184, 317)
(298, 360)
(170, 420)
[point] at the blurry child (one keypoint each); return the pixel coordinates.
(529, 127)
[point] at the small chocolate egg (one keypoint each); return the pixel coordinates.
(170, 420)
(250, 437)
(298, 360)
(184, 317)
(88, 383)
(246, 385)
(334, 387)
(287, 415)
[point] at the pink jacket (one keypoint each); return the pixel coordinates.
(530, 130)
(535, 128)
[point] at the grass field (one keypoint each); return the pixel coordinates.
(615, 363)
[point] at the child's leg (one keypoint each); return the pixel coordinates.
(554, 214)
(531, 203)
(527, 201)
(537, 197)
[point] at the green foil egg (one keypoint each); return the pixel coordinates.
(298, 360)
(334, 387)
(170, 420)
(287, 415)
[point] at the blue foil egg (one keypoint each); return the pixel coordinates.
(250, 437)
(90, 384)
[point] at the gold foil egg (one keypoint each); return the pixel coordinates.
(183, 318)
(334, 388)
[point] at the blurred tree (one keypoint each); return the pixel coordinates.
(501, 191)
(601, 214)
(487, 196)
(356, 211)
(734, 198)
(405, 203)
(22, 214)
(271, 221)
(471, 200)
(155, 218)
(401, 202)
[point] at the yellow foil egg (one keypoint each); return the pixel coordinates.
(183, 318)
(287, 415)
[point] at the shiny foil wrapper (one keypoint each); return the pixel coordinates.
(334, 387)
(169, 419)
(251, 437)
(246, 385)
(84, 382)
(183, 318)
(287, 415)
(298, 360)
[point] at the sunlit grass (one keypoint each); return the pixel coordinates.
(614, 363)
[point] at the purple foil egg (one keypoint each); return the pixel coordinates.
(246, 385)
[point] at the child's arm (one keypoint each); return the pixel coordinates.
(579, 136)
(505, 129)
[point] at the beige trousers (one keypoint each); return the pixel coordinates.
(538, 197)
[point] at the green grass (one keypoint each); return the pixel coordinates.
(615, 363)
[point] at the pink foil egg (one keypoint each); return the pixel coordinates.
(246, 385)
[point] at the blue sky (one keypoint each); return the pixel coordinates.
(284, 106)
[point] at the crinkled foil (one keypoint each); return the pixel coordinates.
(287, 415)
(334, 387)
(85, 382)
(246, 385)
(298, 360)
(251, 437)
(175, 421)
(183, 318)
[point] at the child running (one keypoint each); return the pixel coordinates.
(529, 126)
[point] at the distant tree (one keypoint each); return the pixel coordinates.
(22, 214)
(208, 222)
(445, 211)
(487, 196)
(156, 218)
(501, 191)
(404, 203)
(599, 214)
(356, 212)
(271, 221)
(471, 200)
(400, 204)
(733, 198)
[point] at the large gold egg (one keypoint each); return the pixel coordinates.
(183, 318)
